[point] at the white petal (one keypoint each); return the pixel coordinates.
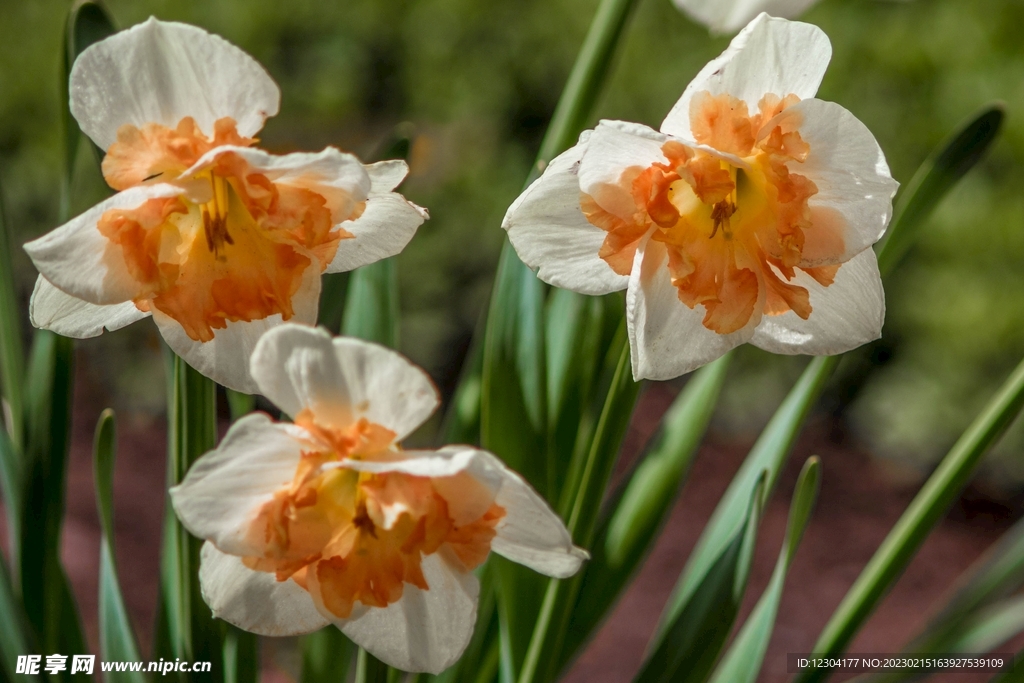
(385, 387)
(531, 533)
(77, 259)
(225, 489)
(161, 72)
(338, 177)
(726, 16)
(769, 56)
(551, 234)
(614, 147)
(466, 477)
(358, 379)
(225, 359)
(386, 225)
(855, 188)
(295, 366)
(844, 315)
(51, 309)
(424, 630)
(666, 337)
(255, 601)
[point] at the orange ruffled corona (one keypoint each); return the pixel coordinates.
(239, 256)
(735, 231)
(363, 535)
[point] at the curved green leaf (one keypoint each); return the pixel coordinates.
(939, 173)
(742, 662)
(913, 527)
(371, 304)
(117, 638)
(693, 637)
(14, 629)
(12, 350)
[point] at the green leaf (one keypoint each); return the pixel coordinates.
(991, 627)
(14, 629)
(694, 635)
(117, 638)
(88, 22)
(326, 656)
(239, 404)
(45, 592)
(579, 333)
(913, 527)
(371, 305)
(187, 627)
(241, 656)
(742, 662)
(369, 669)
(652, 488)
(939, 173)
(624, 538)
(768, 455)
(1015, 674)
(993, 577)
(12, 486)
(12, 351)
(604, 449)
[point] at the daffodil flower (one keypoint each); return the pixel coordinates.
(217, 240)
(328, 520)
(728, 16)
(749, 217)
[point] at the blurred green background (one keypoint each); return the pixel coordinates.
(479, 81)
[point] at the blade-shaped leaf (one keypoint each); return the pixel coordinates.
(624, 538)
(935, 178)
(187, 627)
(326, 656)
(694, 636)
(371, 304)
(991, 627)
(12, 351)
(12, 488)
(913, 527)
(117, 638)
(14, 629)
(742, 662)
(768, 454)
(241, 656)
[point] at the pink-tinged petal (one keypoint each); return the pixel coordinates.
(769, 56)
(225, 489)
(386, 225)
(357, 380)
(51, 309)
(425, 630)
(855, 187)
(225, 360)
(255, 601)
(161, 72)
(339, 177)
(666, 337)
(727, 16)
(844, 315)
(80, 261)
(551, 234)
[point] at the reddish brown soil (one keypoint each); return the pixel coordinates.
(856, 508)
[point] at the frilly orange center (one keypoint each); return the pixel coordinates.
(735, 233)
(240, 255)
(356, 537)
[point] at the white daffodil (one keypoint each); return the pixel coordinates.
(217, 240)
(328, 520)
(728, 16)
(749, 217)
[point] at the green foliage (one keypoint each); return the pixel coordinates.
(913, 527)
(692, 637)
(742, 662)
(371, 306)
(117, 638)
